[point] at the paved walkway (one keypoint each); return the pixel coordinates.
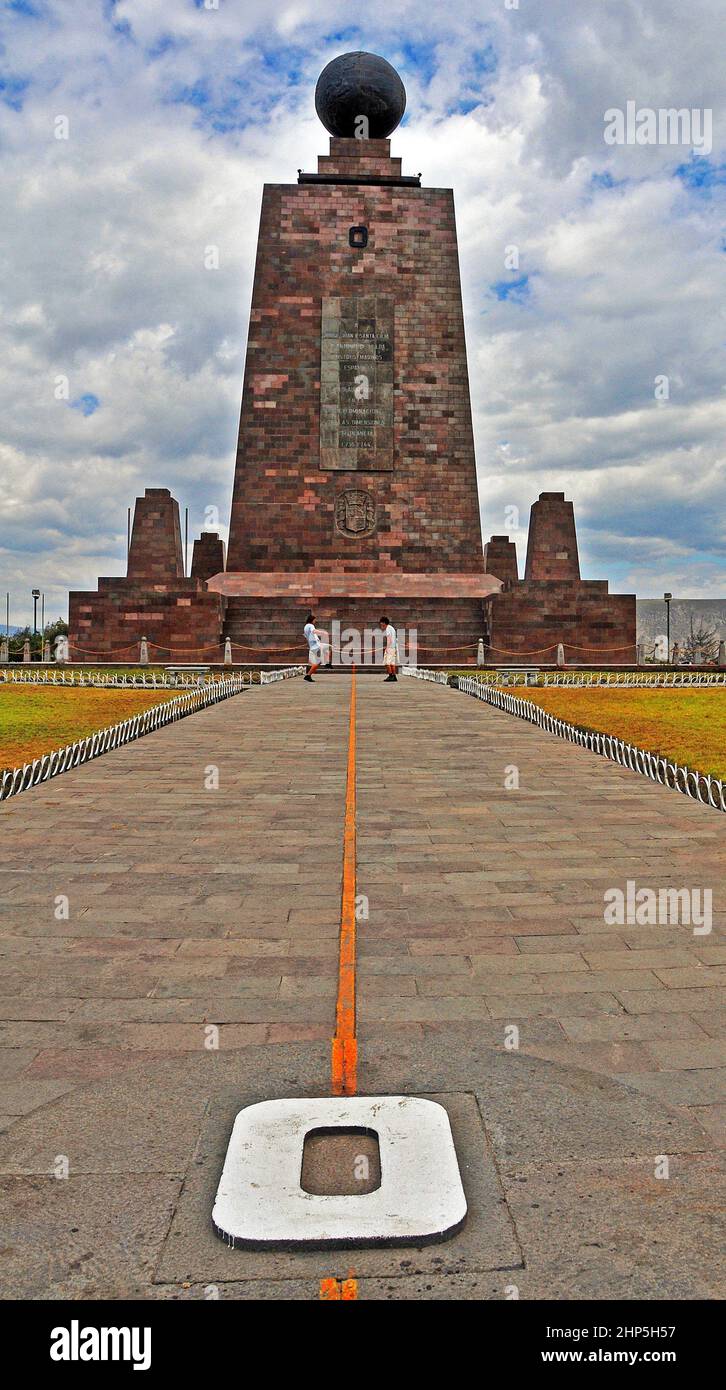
(190, 907)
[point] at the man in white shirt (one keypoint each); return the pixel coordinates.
(315, 654)
(390, 655)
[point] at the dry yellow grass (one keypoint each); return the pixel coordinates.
(687, 725)
(36, 719)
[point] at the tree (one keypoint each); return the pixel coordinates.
(52, 630)
(701, 645)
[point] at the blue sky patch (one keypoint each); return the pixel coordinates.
(24, 7)
(518, 289)
(12, 90)
(87, 404)
(163, 45)
(350, 35)
(238, 101)
(420, 58)
(701, 173)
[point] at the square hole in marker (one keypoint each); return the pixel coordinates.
(340, 1162)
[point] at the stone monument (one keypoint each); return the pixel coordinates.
(180, 618)
(552, 606)
(355, 489)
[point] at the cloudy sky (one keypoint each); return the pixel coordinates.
(597, 365)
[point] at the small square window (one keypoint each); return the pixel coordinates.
(358, 238)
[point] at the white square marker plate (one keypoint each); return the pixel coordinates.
(260, 1202)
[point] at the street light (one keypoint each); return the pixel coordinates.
(36, 596)
(667, 599)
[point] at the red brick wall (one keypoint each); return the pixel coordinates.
(500, 558)
(427, 511)
(527, 621)
(207, 555)
(264, 629)
(182, 621)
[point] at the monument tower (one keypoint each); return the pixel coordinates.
(355, 484)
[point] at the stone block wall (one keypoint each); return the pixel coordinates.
(263, 629)
(527, 621)
(552, 539)
(207, 555)
(500, 558)
(155, 554)
(182, 621)
(288, 512)
(180, 618)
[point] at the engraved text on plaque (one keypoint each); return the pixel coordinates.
(356, 383)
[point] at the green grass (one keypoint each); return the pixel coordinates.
(35, 719)
(687, 724)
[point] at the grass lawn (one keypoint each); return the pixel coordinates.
(687, 725)
(36, 719)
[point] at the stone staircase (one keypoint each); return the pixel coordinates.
(271, 630)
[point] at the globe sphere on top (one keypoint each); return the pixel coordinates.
(360, 84)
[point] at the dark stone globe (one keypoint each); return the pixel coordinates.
(360, 84)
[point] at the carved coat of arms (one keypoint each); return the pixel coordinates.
(355, 512)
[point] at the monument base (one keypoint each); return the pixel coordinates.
(438, 618)
(179, 617)
(181, 621)
(528, 621)
(552, 605)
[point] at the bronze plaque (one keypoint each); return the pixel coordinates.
(356, 384)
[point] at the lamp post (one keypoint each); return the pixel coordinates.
(667, 600)
(36, 596)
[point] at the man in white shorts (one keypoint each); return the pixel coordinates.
(390, 655)
(315, 653)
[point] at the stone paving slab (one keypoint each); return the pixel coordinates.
(611, 1231)
(190, 908)
(83, 1237)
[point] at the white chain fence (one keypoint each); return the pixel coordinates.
(616, 679)
(700, 786)
(19, 779)
(113, 680)
(284, 674)
(420, 672)
(184, 680)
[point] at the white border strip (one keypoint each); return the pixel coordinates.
(699, 786)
